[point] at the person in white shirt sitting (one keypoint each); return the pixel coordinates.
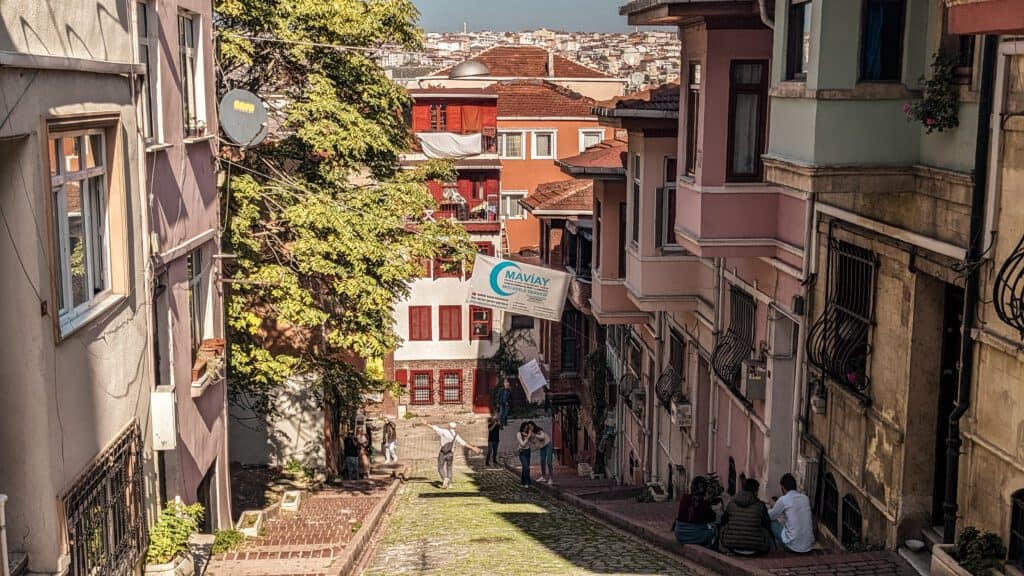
(791, 518)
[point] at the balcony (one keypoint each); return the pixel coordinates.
(610, 303)
(741, 220)
(676, 282)
(580, 289)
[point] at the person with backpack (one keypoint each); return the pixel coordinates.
(446, 455)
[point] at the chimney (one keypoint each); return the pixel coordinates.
(551, 64)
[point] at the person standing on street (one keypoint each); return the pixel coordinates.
(351, 452)
(493, 437)
(389, 441)
(504, 402)
(446, 455)
(542, 443)
(363, 442)
(525, 438)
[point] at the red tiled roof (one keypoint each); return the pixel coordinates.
(528, 62)
(451, 92)
(663, 98)
(539, 98)
(566, 195)
(609, 156)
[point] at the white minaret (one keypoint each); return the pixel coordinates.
(465, 28)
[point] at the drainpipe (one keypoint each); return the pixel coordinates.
(972, 285)
(762, 9)
(4, 566)
(713, 384)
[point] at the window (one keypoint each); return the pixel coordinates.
(451, 387)
(78, 176)
(570, 340)
(665, 203)
(449, 320)
(852, 522)
(447, 268)
(677, 354)
(1016, 543)
(480, 320)
(838, 341)
(421, 392)
(692, 118)
(188, 28)
(438, 117)
(798, 40)
(419, 323)
(635, 222)
(543, 145)
(522, 322)
(622, 240)
(590, 138)
(149, 79)
(510, 145)
(197, 285)
(597, 234)
(881, 40)
(511, 209)
(748, 99)
(485, 248)
(830, 504)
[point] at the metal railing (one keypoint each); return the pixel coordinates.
(1008, 290)
(737, 343)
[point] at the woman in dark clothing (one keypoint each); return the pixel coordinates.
(694, 522)
(493, 437)
(525, 437)
(746, 528)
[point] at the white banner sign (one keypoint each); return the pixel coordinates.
(532, 378)
(518, 288)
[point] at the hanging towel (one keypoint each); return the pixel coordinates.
(448, 145)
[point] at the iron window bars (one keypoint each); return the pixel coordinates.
(852, 521)
(737, 343)
(1016, 544)
(1008, 290)
(106, 512)
(839, 341)
(829, 514)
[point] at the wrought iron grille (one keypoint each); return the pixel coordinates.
(838, 342)
(737, 343)
(852, 521)
(106, 513)
(830, 504)
(669, 385)
(627, 384)
(1008, 291)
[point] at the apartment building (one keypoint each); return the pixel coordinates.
(76, 368)
(178, 124)
(441, 361)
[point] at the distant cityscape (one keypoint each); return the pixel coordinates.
(644, 58)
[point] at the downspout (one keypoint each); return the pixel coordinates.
(713, 384)
(4, 566)
(972, 285)
(762, 8)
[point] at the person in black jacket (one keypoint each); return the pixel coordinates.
(493, 437)
(746, 528)
(351, 451)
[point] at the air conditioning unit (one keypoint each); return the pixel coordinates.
(753, 378)
(682, 414)
(165, 418)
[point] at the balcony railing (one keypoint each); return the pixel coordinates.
(469, 210)
(1008, 291)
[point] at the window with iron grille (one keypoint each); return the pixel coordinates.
(421, 392)
(105, 511)
(737, 343)
(451, 387)
(480, 320)
(838, 342)
(1016, 546)
(852, 521)
(830, 504)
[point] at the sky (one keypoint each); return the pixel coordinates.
(515, 15)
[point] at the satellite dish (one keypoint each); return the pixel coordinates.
(631, 56)
(243, 118)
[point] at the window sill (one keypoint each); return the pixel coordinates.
(101, 307)
(199, 139)
(199, 387)
(158, 146)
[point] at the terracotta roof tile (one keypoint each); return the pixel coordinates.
(528, 62)
(567, 195)
(664, 98)
(609, 155)
(539, 98)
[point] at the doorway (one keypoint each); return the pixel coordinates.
(952, 318)
(484, 383)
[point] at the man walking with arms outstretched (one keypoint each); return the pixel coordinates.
(446, 455)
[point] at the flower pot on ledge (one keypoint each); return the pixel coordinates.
(179, 566)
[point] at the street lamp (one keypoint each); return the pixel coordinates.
(469, 69)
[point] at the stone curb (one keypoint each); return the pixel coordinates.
(350, 557)
(699, 555)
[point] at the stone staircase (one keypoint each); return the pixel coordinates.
(921, 561)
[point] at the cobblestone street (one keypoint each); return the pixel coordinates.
(485, 523)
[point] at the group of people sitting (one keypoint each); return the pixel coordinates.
(747, 526)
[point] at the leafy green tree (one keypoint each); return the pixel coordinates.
(326, 233)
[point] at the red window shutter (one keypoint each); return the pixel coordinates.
(466, 188)
(436, 190)
(490, 114)
(420, 117)
(454, 119)
(485, 248)
(492, 186)
(402, 377)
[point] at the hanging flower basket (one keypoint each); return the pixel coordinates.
(939, 108)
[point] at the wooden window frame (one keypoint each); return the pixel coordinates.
(413, 388)
(442, 312)
(443, 386)
(900, 50)
(438, 117)
(794, 62)
(761, 90)
(692, 117)
(473, 322)
(418, 335)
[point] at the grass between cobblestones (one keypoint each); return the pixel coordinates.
(487, 524)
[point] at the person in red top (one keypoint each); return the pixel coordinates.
(695, 521)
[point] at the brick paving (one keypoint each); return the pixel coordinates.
(487, 524)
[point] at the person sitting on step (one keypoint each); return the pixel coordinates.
(695, 521)
(745, 527)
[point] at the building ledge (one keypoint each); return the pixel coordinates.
(158, 146)
(861, 91)
(199, 139)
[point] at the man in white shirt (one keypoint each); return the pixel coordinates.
(445, 456)
(791, 518)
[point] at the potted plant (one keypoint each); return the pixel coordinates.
(938, 109)
(168, 540)
(975, 553)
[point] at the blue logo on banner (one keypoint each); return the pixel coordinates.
(507, 278)
(496, 278)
